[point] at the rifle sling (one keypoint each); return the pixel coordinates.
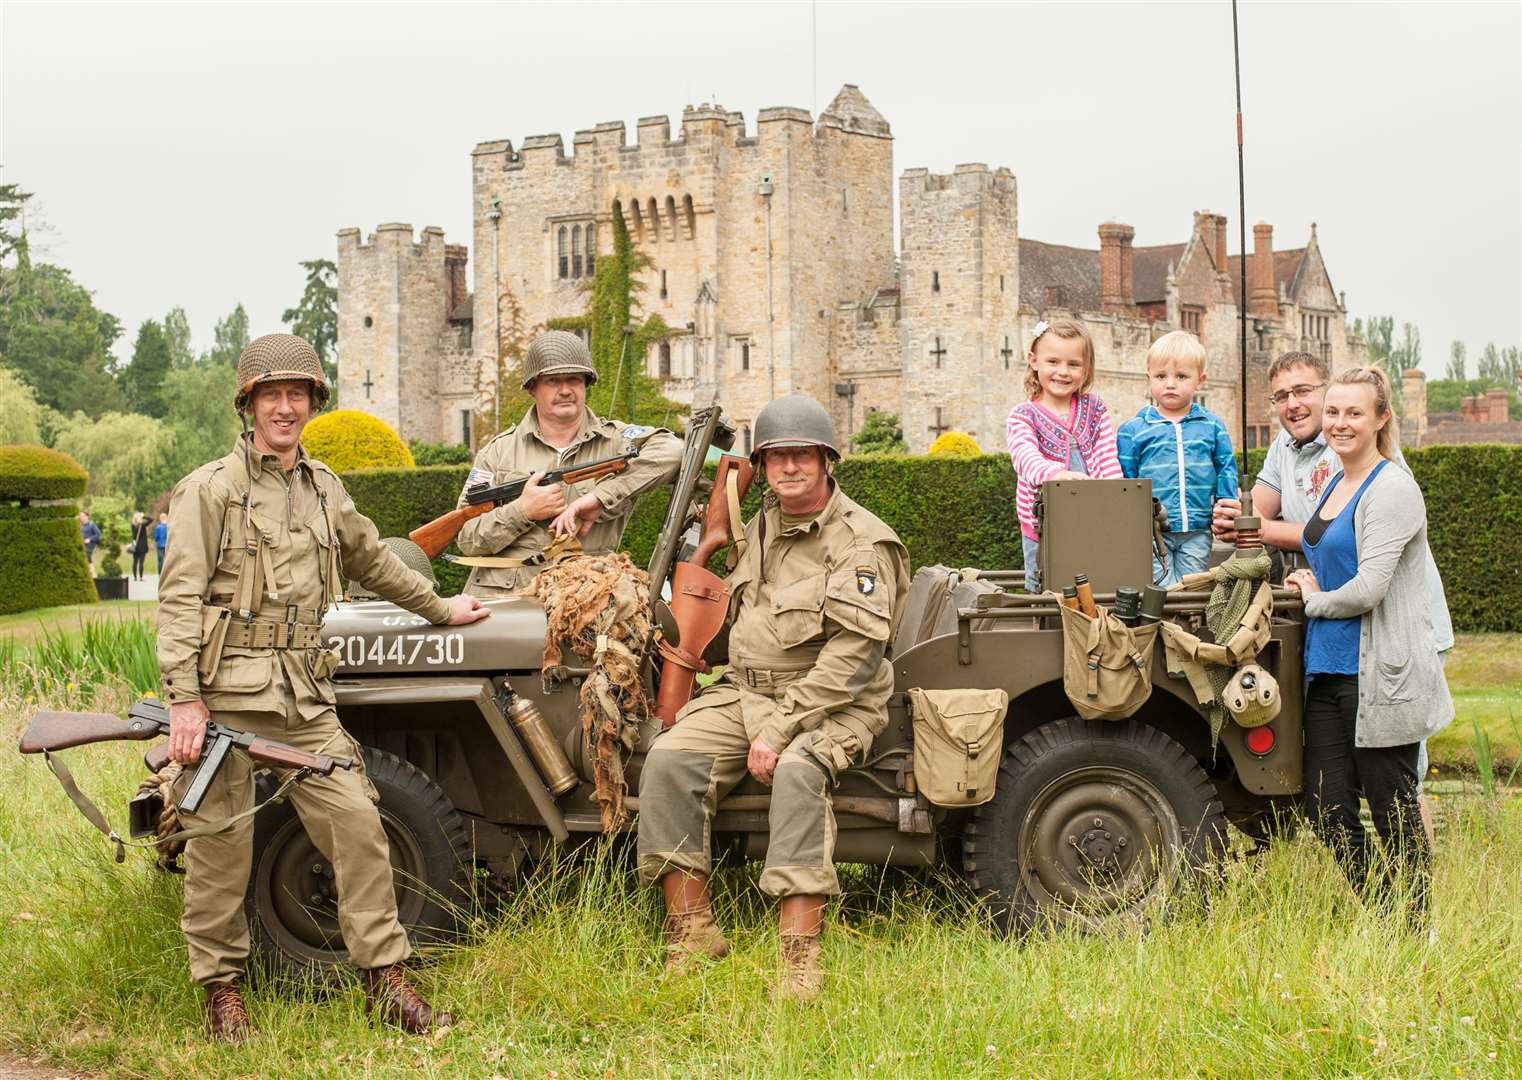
(736, 522)
(95, 817)
(562, 547)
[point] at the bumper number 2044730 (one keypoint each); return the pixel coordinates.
(401, 649)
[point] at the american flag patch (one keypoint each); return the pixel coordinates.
(477, 477)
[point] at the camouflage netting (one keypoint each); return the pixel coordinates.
(169, 817)
(599, 605)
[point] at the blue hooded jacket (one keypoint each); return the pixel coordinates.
(1190, 462)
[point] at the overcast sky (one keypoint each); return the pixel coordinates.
(192, 154)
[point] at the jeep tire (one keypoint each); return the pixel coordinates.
(291, 900)
(1090, 820)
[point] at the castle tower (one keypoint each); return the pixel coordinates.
(963, 362)
(751, 239)
(403, 331)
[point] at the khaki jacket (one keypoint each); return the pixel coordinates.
(292, 511)
(823, 597)
(519, 452)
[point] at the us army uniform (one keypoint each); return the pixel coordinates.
(813, 603)
(267, 673)
(519, 452)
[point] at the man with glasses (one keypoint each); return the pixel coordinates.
(1296, 471)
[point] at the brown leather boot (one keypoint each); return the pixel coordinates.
(391, 998)
(226, 1016)
(690, 928)
(800, 926)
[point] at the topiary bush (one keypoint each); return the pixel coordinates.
(437, 453)
(44, 558)
(348, 439)
(957, 444)
(35, 473)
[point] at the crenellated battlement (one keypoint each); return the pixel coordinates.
(969, 178)
(394, 237)
(704, 128)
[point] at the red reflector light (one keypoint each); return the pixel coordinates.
(1260, 740)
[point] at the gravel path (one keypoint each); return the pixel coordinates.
(17, 1069)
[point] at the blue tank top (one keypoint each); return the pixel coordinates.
(1331, 645)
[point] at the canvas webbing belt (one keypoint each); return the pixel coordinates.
(562, 547)
(273, 635)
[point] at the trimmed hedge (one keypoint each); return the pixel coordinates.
(35, 473)
(44, 563)
(349, 439)
(961, 512)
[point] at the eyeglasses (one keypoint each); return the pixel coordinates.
(1302, 392)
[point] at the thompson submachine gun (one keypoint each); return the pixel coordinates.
(439, 533)
(53, 731)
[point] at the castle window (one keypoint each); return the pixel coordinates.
(1006, 352)
(1257, 435)
(639, 222)
(591, 248)
(741, 347)
(655, 220)
(576, 251)
(935, 281)
(465, 426)
(1193, 320)
(1001, 282)
(939, 352)
(745, 438)
(663, 284)
(664, 370)
(691, 216)
(671, 217)
(369, 322)
(565, 261)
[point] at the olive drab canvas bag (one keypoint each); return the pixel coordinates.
(958, 741)
(1106, 665)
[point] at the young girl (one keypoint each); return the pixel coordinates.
(1063, 432)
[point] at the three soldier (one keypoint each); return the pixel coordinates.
(262, 537)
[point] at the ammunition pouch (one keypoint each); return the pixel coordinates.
(1106, 665)
(957, 744)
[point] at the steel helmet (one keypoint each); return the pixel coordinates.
(280, 356)
(410, 554)
(794, 420)
(557, 352)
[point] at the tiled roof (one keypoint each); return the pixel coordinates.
(1286, 266)
(1149, 271)
(1074, 270)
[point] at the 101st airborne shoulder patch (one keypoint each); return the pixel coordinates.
(866, 580)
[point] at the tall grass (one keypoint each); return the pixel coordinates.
(1277, 970)
(77, 664)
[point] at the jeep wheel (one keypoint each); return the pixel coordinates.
(292, 902)
(1090, 820)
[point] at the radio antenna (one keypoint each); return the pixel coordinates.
(1236, 57)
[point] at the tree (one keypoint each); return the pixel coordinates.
(1511, 365)
(1455, 370)
(177, 334)
(316, 316)
(229, 339)
(126, 454)
(143, 379)
(54, 337)
(20, 414)
(880, 433)
(12, 208)
(1447, 396)
(199, 412)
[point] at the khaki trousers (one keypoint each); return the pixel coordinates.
(339, 814)
(699, 760)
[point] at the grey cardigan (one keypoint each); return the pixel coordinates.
(1402, 695)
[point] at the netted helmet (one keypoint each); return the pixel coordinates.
(794, 420)
(410, 554)
(557, 352)
(280, 356)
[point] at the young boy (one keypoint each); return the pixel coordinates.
(1183, 449)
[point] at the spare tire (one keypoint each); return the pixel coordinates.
(292, 902)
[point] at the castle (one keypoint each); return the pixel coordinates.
(772, 255)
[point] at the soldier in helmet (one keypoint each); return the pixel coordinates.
(558, 431)
(813, 603)
(262, 539)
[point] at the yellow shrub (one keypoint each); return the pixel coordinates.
(348, 439)
(955, 444)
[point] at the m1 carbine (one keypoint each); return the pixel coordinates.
(52, 731)
(439, 533)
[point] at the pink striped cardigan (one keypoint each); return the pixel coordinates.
(1038, 447)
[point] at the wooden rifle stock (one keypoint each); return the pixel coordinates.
(435, 536)
(50, 731)
(699, 598)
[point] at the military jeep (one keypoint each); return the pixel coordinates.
(1087, 819)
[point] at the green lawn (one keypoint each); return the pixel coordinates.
(24, 626)
(1485, 677)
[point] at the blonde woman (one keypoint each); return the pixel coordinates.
(1376, 686)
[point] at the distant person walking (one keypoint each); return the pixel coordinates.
(89, 532)
(139, 544)
(161, 539)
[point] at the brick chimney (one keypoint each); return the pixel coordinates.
(1115, 267)
(1495, 406)
(1262, 295)
(455, 257)
(1413, 396)
(1220, 244)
